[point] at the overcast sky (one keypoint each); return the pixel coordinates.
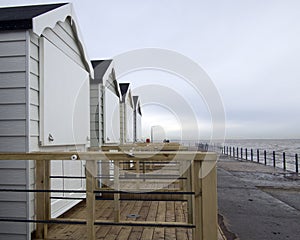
(249, 48)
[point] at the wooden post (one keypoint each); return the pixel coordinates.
(251, 153)
(42, 198)
(257, 156)
(274, 159)
(90, 173)
(117, 188)
(137, 169)
(265, 156)
(189, 187)
(205, 206)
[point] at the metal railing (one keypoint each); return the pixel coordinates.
(272, 158)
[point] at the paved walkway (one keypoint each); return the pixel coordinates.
(257, 201)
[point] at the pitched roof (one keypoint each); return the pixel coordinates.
(124, 88)
(100, 68)
(136, 103)
(40, 17)
(15, 18)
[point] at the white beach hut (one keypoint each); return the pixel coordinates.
(44, 104)
(105, 101)
(137, 119)
(126, 114)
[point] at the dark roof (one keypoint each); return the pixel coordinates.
(124, 88)
(135, 100)
(100, 68)
(14, 18)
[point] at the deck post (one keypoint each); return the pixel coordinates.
(205, 187)
(90, 169)
(42, 198)
(117, 188)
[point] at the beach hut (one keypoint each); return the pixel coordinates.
(126, 114)
(105, 101)
(44, 104)
(137, 119)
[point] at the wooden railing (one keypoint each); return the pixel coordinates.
(197, 183)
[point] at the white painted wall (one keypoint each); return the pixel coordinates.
(111, 117)
(64, 98)
(129, 123)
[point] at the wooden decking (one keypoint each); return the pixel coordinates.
(159, 211)
(131, 183)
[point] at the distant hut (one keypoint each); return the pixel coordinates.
(105, 100)
(44, 71)
(126, 114)
(137, 119)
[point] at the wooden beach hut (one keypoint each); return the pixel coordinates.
(137, 119)
(126, 114)
(44, 105)
(105, 101)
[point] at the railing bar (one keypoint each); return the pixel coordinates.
(142, 193)
(43, 221)
(144, 200)
(71, 177)
(42, 190)
(125, 177)
(68, 198)
(140, 224)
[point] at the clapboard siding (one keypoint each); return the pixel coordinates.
(13, 236)
(18, 176)
(94, 115)
(12, 64)
(12, 128)
(34, 128)
(13, 131)
(12, 48)
(12, 144)
(10, 196)
(12, 112)
(34, 97)
(12, 36)
(11, 95)
(13, 209)
(12, 80)
(12, 164)
(34, 82)
(34, 66)
(18, 228)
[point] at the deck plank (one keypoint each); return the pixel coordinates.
(159, 211)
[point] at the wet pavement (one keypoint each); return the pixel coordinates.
(257, 201)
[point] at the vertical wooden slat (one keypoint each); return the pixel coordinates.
(117, 188)
(90, 198)
(197, 200)
(42, 198)
(137, 168)
(207, 200)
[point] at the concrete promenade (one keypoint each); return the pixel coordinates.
(257, 201)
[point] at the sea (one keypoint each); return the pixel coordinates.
(289, 147)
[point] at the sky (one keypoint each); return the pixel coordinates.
(250, 50)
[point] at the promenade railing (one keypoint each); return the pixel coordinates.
(283, 160)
